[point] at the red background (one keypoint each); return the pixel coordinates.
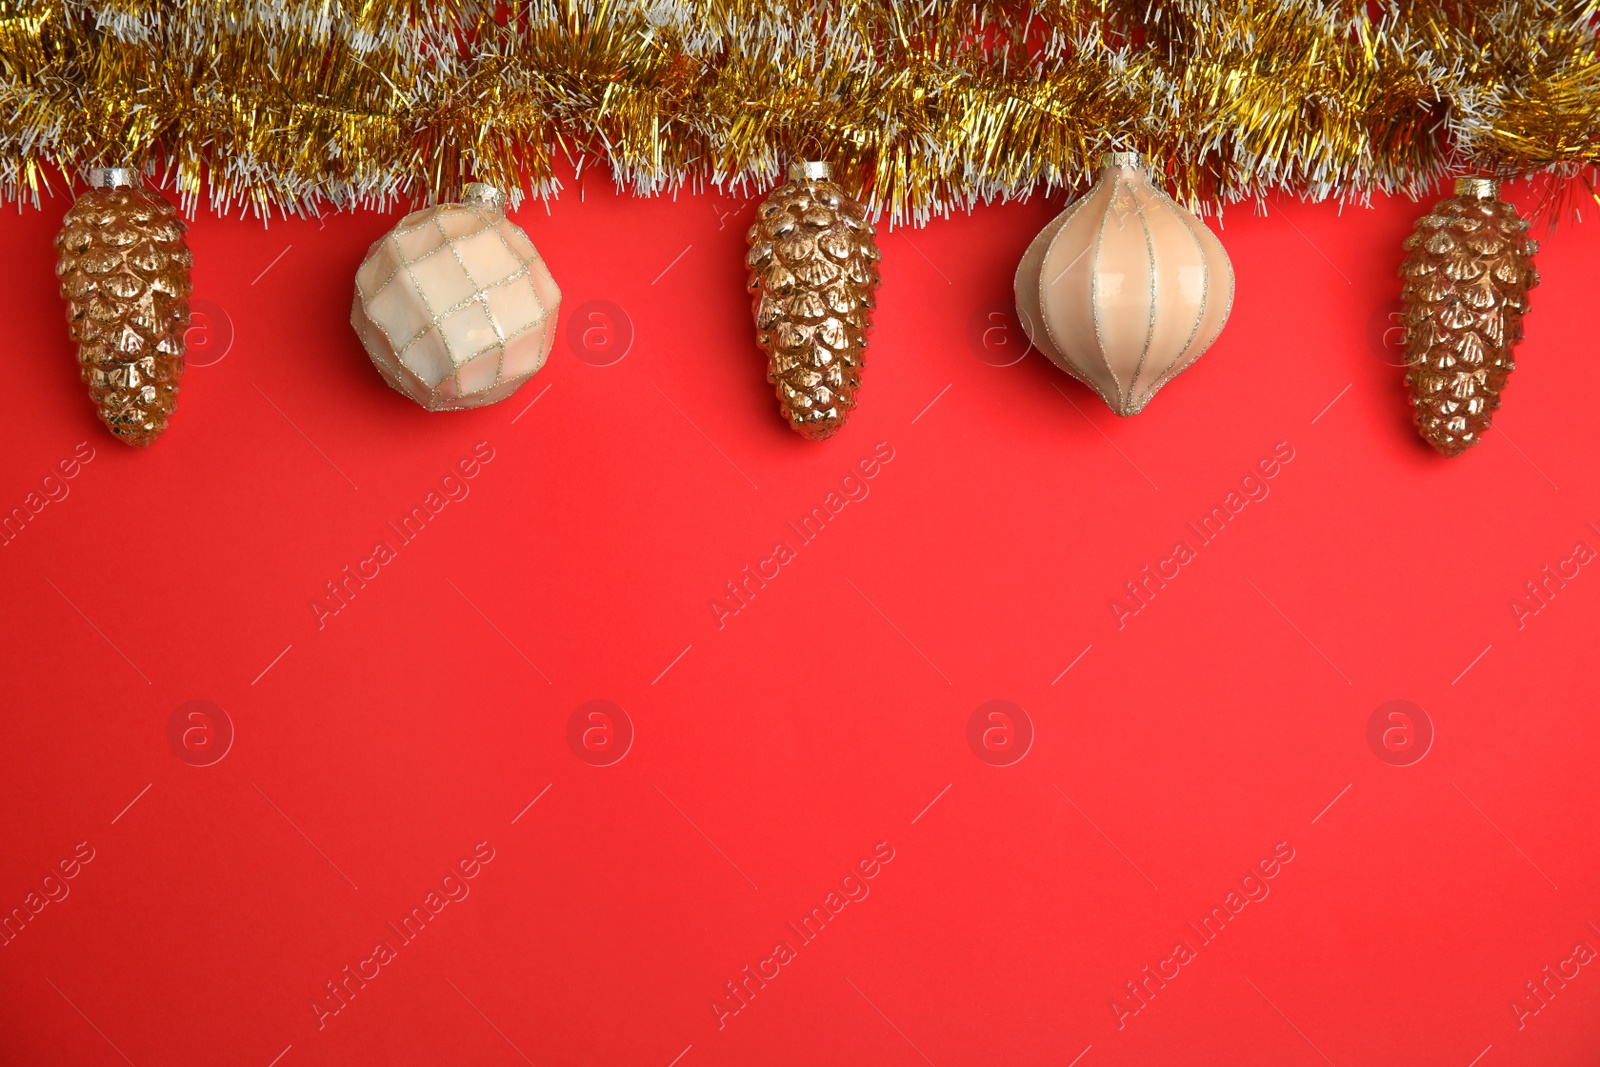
(772, 754)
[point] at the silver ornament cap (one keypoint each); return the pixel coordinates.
(113, 177)
(482, 194)
(1123, 159)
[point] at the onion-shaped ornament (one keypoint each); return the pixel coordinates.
(1125, 288)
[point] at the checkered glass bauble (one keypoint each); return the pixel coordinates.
(454, 305)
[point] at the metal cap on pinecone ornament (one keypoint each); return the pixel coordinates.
(1482, 188)
(813, 269)
(113, 178)
(810, 171)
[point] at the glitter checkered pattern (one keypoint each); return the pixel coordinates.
(455, 306)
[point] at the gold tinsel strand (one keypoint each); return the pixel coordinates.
(923, 107)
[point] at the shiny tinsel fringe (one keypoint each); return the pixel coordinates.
(923, 106)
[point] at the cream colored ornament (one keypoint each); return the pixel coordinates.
(454, 305)
(1124, 289)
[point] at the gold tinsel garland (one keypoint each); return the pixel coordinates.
(922, 105)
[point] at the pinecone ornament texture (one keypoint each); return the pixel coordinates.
(1467, 273)
(124, 271)
(813, 269)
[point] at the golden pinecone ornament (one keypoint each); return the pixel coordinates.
(1467, 272)
(813, 267)
(124, 270)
